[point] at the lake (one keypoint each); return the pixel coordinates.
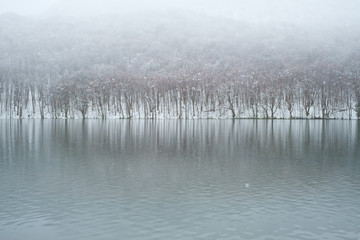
(177, 179)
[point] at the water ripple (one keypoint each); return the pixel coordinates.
(120, 183)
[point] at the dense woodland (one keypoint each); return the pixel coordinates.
(176, 65)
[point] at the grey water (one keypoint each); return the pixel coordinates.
(173, 179)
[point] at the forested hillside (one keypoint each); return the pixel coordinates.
(176, 65)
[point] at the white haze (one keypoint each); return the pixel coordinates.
(332, 12)
(26, 7)
(180, 59)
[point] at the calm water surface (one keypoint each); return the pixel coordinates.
(201, 179)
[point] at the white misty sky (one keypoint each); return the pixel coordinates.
(308, 11)
(25, 7)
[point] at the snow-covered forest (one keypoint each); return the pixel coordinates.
(176, 64)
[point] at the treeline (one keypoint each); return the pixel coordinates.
(175, 67)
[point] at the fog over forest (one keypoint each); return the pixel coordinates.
(180, 59)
